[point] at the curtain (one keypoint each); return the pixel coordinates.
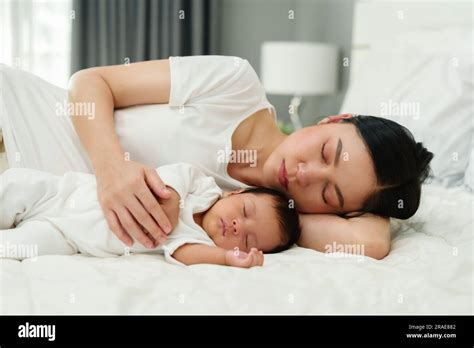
(119, 31)
(36, 36)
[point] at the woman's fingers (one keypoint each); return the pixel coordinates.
(142, 216)
(334, 118)
(125, 191)
(156, 184)
(171, 208)
(152, 206)
(324, 120)
(132, 227)
(117, 229)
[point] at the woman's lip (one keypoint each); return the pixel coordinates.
(283, 175)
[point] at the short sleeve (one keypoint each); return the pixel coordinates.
(170, 247)
(214, 80)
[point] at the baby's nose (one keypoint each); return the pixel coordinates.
(235, 227)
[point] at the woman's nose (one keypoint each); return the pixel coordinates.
(308, 173)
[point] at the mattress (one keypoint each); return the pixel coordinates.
(428, 271)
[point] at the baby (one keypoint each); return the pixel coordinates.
(45, 214)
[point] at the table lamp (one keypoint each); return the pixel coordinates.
(298, 69)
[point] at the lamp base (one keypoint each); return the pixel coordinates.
(294, 115)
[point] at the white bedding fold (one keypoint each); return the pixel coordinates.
(429, 271)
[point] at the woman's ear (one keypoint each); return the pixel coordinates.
(334, 118)
(230, 193)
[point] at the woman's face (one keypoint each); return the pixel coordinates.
(325, 168)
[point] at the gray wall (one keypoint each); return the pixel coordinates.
(247, 23)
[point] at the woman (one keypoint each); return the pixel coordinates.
(212, 104)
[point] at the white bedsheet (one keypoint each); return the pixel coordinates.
(429, 270)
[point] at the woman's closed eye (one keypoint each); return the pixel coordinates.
(322, 194)
(325, 161)
(243, 209)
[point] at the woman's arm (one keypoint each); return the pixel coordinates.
(124, 187)
(192, 254)
(367, 234)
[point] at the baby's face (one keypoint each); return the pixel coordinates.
(245, 221)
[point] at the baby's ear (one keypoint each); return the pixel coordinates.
(230, 193)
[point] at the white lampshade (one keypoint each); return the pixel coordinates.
(299, 68)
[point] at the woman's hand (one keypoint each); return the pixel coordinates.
(239, 258)
(126, 192)
(171, 207)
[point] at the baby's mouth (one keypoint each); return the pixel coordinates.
(223, 227)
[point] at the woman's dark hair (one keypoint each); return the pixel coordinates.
(401, 166)
(288, 217)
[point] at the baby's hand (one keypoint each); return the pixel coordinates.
(239, 258)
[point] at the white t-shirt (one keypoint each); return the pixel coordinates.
(209, 97)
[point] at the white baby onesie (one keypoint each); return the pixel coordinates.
(61, 214)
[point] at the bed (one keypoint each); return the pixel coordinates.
(428, 271)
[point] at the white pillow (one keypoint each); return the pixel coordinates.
(423, 80)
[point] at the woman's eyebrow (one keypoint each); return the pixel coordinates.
(338, 152)
(340, 197)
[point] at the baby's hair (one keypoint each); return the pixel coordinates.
(288, 217)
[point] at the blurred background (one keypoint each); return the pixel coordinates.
(55, 38)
